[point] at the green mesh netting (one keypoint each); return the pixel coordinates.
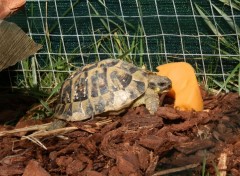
(149, 32)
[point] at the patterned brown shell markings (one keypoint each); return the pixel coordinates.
(109, 85)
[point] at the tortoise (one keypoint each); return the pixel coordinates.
(109, 86)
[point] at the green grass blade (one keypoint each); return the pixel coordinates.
(117, 42)
(141, 47)
(227, 19)
(235, 4)
(211, 26)
(204, 166)
(208, 21)
(103, 22)
(45, 105)
(54, 91)
(237, 68)
(239, 81)
(97, 14)
(64, 14)
(119, 18)
(127, 52)
(220, 85)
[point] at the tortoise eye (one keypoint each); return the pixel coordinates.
(162, 84)
(151, 85)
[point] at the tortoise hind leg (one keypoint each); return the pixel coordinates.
(139, 101)
(114, 113)
(56, 124)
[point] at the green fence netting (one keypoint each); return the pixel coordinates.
(152, 32)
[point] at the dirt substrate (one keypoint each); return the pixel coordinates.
(136, 143)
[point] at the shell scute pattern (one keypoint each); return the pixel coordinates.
(80, 90)
(108, 85)
(121, 79)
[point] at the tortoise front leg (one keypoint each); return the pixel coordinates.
(151, 100)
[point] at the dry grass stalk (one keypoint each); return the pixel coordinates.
(41, 129)
(44, 133)
(173, 170)
(25, 129)
(222, 164)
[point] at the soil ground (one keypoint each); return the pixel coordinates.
(135, 143)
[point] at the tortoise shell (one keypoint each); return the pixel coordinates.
(110, 85)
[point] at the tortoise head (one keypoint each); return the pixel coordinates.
(160, 84)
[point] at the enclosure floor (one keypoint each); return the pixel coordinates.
(135, 143)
